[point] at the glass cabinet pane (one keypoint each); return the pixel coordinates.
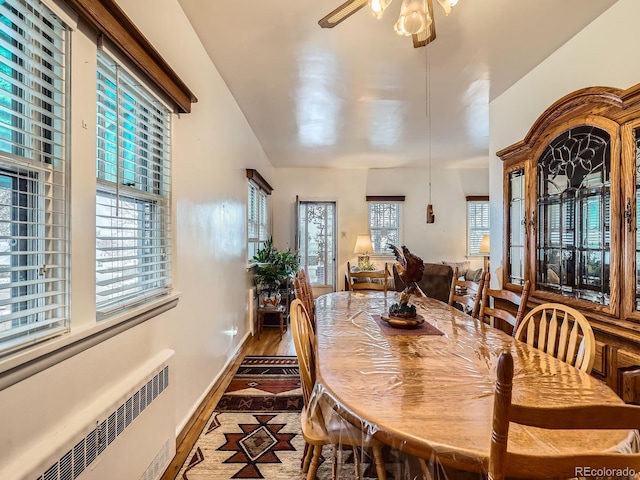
(637, 140)
(517, 227)
(573, 215)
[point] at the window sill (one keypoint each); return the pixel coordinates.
(20, 366)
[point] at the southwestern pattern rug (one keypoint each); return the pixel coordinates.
(254, 431)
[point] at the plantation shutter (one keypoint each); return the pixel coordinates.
(252, 214)
(257, 215)
(384, 222)
(33, 269)
(477, 225)
(133, 244)
(264, 232)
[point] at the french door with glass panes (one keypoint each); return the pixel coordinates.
(317, 243)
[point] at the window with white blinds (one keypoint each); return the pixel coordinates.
(477, 225)
(257, 229)
(133, 231)
(33, 246)
(384, 225)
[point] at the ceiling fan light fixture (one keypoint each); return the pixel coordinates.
(378, 7)
(414, 18)
(447, 5)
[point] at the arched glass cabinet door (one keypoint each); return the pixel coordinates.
(574, 217)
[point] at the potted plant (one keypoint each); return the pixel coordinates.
(367, 266)
(289, 261)
(273, 271)
(268, 278)
(267, 254)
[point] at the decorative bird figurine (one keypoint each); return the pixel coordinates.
(410, 268)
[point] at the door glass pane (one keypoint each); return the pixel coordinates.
(317, 242)
(516, 227)
(573, 224)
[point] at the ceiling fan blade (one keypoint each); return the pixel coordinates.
(424, 38)
(427, 36)
(342, 12)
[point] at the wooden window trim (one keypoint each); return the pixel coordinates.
(111, 21)
(477, 198)
(385, 198)
(255, 177)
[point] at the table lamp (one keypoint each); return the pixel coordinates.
(485, 249)
(363, 247)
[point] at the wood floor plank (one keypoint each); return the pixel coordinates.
(269, 344)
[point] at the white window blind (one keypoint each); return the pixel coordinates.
(133, 231)
(477, 225)
(384, 224)
(33, 270)
(257, 229)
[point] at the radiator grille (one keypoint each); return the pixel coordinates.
(158, 465)
(76, 460)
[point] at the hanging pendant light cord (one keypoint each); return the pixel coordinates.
(428, 113)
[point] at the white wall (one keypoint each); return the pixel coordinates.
(443, 240)
(600, 55)
(211, 148)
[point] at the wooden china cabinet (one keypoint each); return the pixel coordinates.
(572, 207)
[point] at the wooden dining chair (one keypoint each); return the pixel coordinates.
(466, 293)
(503, 309)
(305, 294)
(315, 431)
(365, 279)
(503, 463)
(562, 332)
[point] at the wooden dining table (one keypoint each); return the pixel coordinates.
(431, 394)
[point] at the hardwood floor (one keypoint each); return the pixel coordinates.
(269, 344)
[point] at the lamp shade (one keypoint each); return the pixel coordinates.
(485, 244)
(363, 244)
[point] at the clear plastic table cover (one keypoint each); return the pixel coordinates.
(429, 398)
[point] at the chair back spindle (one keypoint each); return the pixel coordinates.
(466, 293)
(305, 295)
(495, 309)
(304, 342)
(562, 332)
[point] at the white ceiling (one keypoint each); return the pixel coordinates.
(355, 95)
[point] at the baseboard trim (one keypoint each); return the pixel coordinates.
(198, 420)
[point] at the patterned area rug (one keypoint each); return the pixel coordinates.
(254, 431)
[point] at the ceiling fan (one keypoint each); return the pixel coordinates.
(415, 20)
